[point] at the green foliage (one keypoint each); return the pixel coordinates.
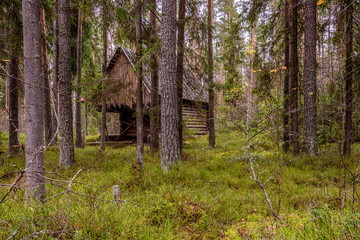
(210, 195)
(329, 224)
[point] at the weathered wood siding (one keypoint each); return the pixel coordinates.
(195, 118)
(122, 84)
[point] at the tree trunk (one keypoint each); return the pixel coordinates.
(180, 67)
(55, 87)
(294, 69)
(104, 66)
(250, 84)
(13, 99)
(139, 92)
(286, 80)
(79, 139)
(34, 155)
(219, 100)
(86, 120)
(211, 117)
(348, 76)
(170, 151)
(103, 126)
(310, 127)
(48, 128)
(155, 106)
(65, 101)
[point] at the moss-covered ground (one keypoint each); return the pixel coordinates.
(209, 195)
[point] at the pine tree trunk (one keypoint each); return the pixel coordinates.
(293, 78)
(211, 114)
(103, 126)
(34, 155)
(65, 100)
(220, 100)
(170, 150)
(310, 126)
(55, 87)
(286, 130)
(180, 66)
(104, 66)
(79, 139)
(155, 104)
(139, 92)
(48, 128)
(348, 76)
(86, 120)
(13, 99)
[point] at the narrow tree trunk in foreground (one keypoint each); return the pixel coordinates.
(286, 130)
(86, 120)
(180, 67)
(103, 126)
(65, 100)
(294, 69)
(79, 138)
(170, 151)
(13, 99)
(211, 117)
(104, 66)
(310, 127)
(155, 104)
(348, 76)
(48, 128)
(55, 88)
(139, 92)
(34, 155)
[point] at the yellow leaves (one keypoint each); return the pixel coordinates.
(274, 71)
(254, 71)
(251, 51)
(311, 93)
(320, 2)
(294, 88)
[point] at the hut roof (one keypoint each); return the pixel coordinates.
(194, 90)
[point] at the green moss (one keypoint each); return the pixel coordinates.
(209, 195)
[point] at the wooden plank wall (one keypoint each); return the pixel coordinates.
(122, 86)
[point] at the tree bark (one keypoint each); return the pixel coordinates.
(103, 126)
(48, 128)
(155, 104)
(34, 155)
(211, 114)
(79, 138)
(348, 76)
(13, 99)
(310, 115)
(170, 151)
(180, 67)
(55, 87)
(294, 69)
(86, 120)
(286, 130)
(65, 101)
(139, 91)
(104, 66)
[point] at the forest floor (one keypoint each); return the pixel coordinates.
(209, 195)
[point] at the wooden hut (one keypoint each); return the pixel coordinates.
(121, 93)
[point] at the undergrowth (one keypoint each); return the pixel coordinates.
(209, 195)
